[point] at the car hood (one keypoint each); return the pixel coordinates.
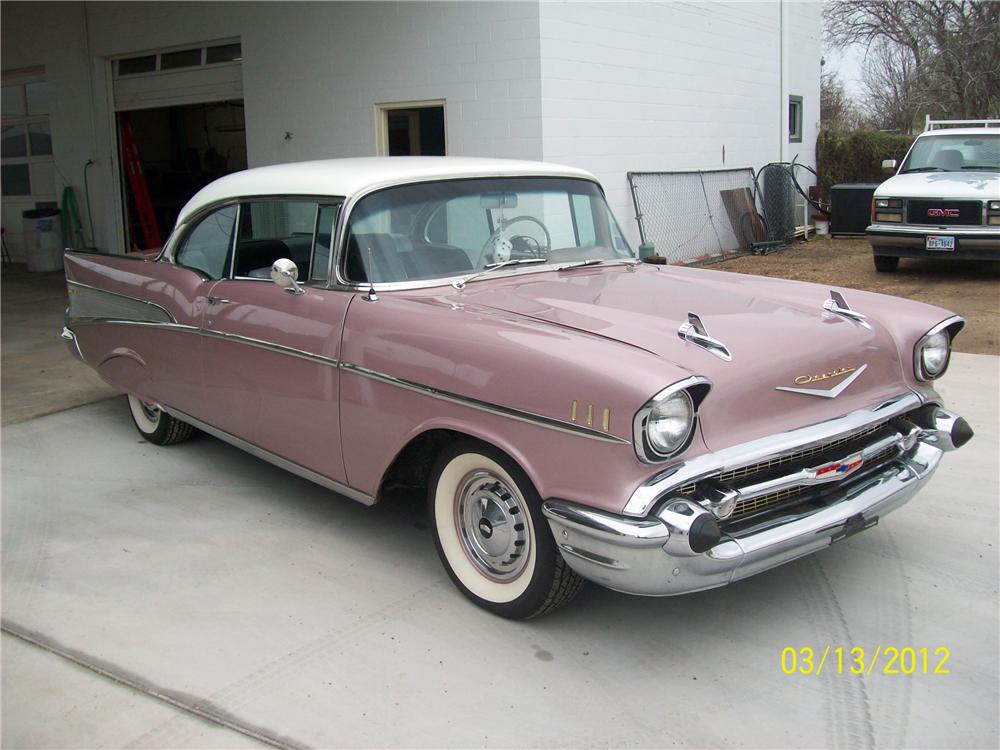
(776, 330)
(965, 184)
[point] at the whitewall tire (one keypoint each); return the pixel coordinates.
(155, 425)
(491, 535)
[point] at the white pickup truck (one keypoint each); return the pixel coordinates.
(944, 201)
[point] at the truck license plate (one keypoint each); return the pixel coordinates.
(939, 242)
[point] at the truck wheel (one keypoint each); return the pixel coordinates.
(886, 263)
(490, 533)
(156, 425)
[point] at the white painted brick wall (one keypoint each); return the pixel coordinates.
(609, 87)
(666, 86)
(314, 69)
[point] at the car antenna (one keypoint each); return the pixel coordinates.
(371, 296)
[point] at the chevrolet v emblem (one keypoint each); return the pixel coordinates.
(830, 393)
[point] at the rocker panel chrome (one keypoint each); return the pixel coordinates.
(274, 458)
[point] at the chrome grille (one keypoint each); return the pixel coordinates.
(753, 506)
(747, 471)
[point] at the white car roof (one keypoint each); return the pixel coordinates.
(960, 131)
(347, 177)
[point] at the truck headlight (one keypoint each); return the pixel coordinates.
(664, 425)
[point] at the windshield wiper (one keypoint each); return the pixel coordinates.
(983, 167)
(597, 262)
(922, 169)
(460, 283)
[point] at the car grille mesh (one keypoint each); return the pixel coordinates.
(753, 506)
(856, 439)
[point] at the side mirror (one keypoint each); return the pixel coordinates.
(888, 165)
(285, 274)
(646, 250)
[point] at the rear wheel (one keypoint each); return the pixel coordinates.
(886, 263)
(156, 425)
(491, 535)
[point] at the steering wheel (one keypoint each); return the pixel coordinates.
(490, 243)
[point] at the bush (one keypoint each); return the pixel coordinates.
(856, 156)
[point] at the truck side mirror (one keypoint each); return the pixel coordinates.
(888, 165)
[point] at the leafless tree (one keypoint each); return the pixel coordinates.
(939, 57)
(837, 111)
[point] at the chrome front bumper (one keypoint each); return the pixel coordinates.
(651, 556)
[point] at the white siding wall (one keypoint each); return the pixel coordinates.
(667, 86)
(314, 69)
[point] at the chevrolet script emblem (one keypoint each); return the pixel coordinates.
(855, 372)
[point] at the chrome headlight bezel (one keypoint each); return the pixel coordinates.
(690, 391)
(941, 336)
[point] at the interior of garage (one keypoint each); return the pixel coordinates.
(180, 149)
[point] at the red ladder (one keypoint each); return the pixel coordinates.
(140, 191)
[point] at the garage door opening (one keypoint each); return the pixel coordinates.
(167, 155)
(411, 129)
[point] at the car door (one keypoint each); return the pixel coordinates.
(270, 354)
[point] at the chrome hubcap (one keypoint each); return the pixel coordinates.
(492, 526)
(151, 412)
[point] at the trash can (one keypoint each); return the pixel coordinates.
(43, 239)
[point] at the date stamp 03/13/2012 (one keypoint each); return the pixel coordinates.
(858, 660)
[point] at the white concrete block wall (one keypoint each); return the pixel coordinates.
(313, 69)
(672, 86)
(608, 87)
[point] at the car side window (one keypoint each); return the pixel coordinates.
(326, 221)
(206, 248)
(274, 229)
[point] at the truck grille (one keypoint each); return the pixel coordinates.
(970, 213)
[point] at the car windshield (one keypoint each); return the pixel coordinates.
(954, 153)
(454, 228)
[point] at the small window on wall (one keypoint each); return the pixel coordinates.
(26, 142)
(794, 119)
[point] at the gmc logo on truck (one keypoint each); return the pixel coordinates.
(942, 213)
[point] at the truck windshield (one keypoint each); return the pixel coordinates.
(454, 228)
(954, 153)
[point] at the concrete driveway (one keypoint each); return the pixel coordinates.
(194, 596)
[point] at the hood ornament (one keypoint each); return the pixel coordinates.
(830, 393)
(838, 306)
(694, 332)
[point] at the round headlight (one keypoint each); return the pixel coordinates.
(670, 422)
(934, 353)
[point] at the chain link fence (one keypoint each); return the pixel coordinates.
(701, 215)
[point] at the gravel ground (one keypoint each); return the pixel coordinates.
(972, 289)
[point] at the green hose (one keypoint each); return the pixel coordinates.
(72, 230)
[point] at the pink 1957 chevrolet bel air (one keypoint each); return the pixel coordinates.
(482, 328)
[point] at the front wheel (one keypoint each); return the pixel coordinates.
(491, 535)
(886, 263)
(156, 425)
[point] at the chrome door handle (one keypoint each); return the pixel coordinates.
(218, 301)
